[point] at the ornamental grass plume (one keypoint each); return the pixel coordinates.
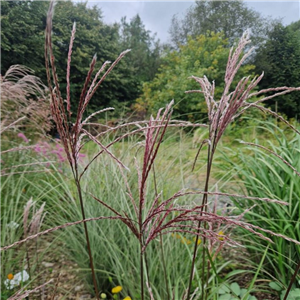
(163, 216)
(32, 227)
(71, 135)
(17, 87)
(24, 103)
(233, 102)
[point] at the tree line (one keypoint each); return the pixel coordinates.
(153, 73)
(23, 26)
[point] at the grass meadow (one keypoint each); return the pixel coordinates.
(159, 208)
(45, 179)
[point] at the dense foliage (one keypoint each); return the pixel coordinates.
(145, 54)
(206, 55)
(279, 59)
(230, 17)
(265, 175)
(149, 71)
(23, 26)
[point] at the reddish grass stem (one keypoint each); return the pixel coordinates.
(210, 153)
(292, 281)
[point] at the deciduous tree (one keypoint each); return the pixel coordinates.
(23, 27)
(205, 55)
(230, 17)
(145, 54)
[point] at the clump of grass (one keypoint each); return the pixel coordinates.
(72, 140)
(24, 101)
(221, 113)
(23, 198)
(71, 136)
(268, 175)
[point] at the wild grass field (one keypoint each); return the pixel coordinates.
(50, 185)
(156, 208)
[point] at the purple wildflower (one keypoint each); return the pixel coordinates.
(37, 148)
(23, 137)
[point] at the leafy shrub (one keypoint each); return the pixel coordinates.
(293, 295)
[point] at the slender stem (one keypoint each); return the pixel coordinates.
(164, 264)
(161, 242)
(87, 237)
(142, 271)
(204, 240)
(37, 255)
(210, 152)
(292, 281)
(141, 241)
(147, 268)
(203, 269)
(146, 264)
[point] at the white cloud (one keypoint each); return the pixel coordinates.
(289, 11)
(157, 15)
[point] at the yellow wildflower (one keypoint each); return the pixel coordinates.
(199, 241)
(116, 289)
(221, 234)
(127, 298)
(185, 241)
(10, 276)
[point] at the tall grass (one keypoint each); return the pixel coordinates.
(131, 213)
(221, 113)
(12, 202)
(24, 99)
(113, 244)
(266, 175)
(24, 201)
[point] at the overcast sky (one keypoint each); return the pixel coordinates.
(156, 15)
